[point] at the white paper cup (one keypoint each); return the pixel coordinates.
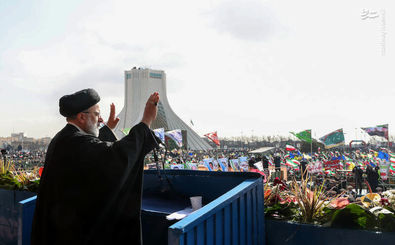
(196, 202)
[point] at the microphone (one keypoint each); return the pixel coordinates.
(157, 148)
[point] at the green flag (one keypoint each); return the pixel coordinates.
(304, 135)
(333, 139)
(125, 131)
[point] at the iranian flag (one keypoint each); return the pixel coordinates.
(392, 169)
(329, 172)
(392, 160)
(348, 163)
(290, 148)
(214, 137)
(292, 163)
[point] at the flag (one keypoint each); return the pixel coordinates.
(379, 130)
(333, 139)
(383, 155)
(304, 135)
(160, 133)
(392, 170)
(290, 148)
(329, 172)
(213, 137)
(291, 163)
(175, 135)
(125, 131)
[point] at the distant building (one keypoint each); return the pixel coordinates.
(139, 84)
(18, 140)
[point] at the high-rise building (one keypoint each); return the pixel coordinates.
(139, 85)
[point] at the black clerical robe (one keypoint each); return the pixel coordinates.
(90, 189)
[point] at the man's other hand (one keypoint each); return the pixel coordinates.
(112, 121)
(151, 109)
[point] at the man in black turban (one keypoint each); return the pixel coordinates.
(90, 188)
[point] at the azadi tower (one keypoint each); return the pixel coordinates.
(139, 85)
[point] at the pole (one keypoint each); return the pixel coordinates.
(388, 139)
(311, 145)
(311, 148)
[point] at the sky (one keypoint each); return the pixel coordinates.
(238, 67)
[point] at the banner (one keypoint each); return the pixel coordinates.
(379, 130)
(304, 135)
(333, 164)
(175, 135)
(213, 137)
(160, 133)
(333, 139)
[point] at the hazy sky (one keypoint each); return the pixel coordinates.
(236, 67)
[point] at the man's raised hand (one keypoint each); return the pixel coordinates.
(112, 120)
(151, 109)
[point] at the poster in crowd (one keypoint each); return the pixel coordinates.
(234, 163)
(177, 166)
(243, 163)
(223, 164)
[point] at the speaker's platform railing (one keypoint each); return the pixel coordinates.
(236, 217)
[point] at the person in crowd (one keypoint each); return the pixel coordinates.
(91, 186)
(372, 177)
(277, 161)
(358, 172)
(303, 166)
(265, 162)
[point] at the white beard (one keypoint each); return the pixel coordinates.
(92, 128)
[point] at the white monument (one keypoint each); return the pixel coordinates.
(139, 85)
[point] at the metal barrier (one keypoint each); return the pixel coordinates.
(26, 220)
(12, 210)
(236, 217)
(233, 214)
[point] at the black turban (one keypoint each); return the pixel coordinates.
(72, 104)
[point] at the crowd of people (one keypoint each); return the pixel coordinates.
(25, 160)
(355, 167)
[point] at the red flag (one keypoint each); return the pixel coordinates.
(290, 148)
(40, 171)
(213, 136)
